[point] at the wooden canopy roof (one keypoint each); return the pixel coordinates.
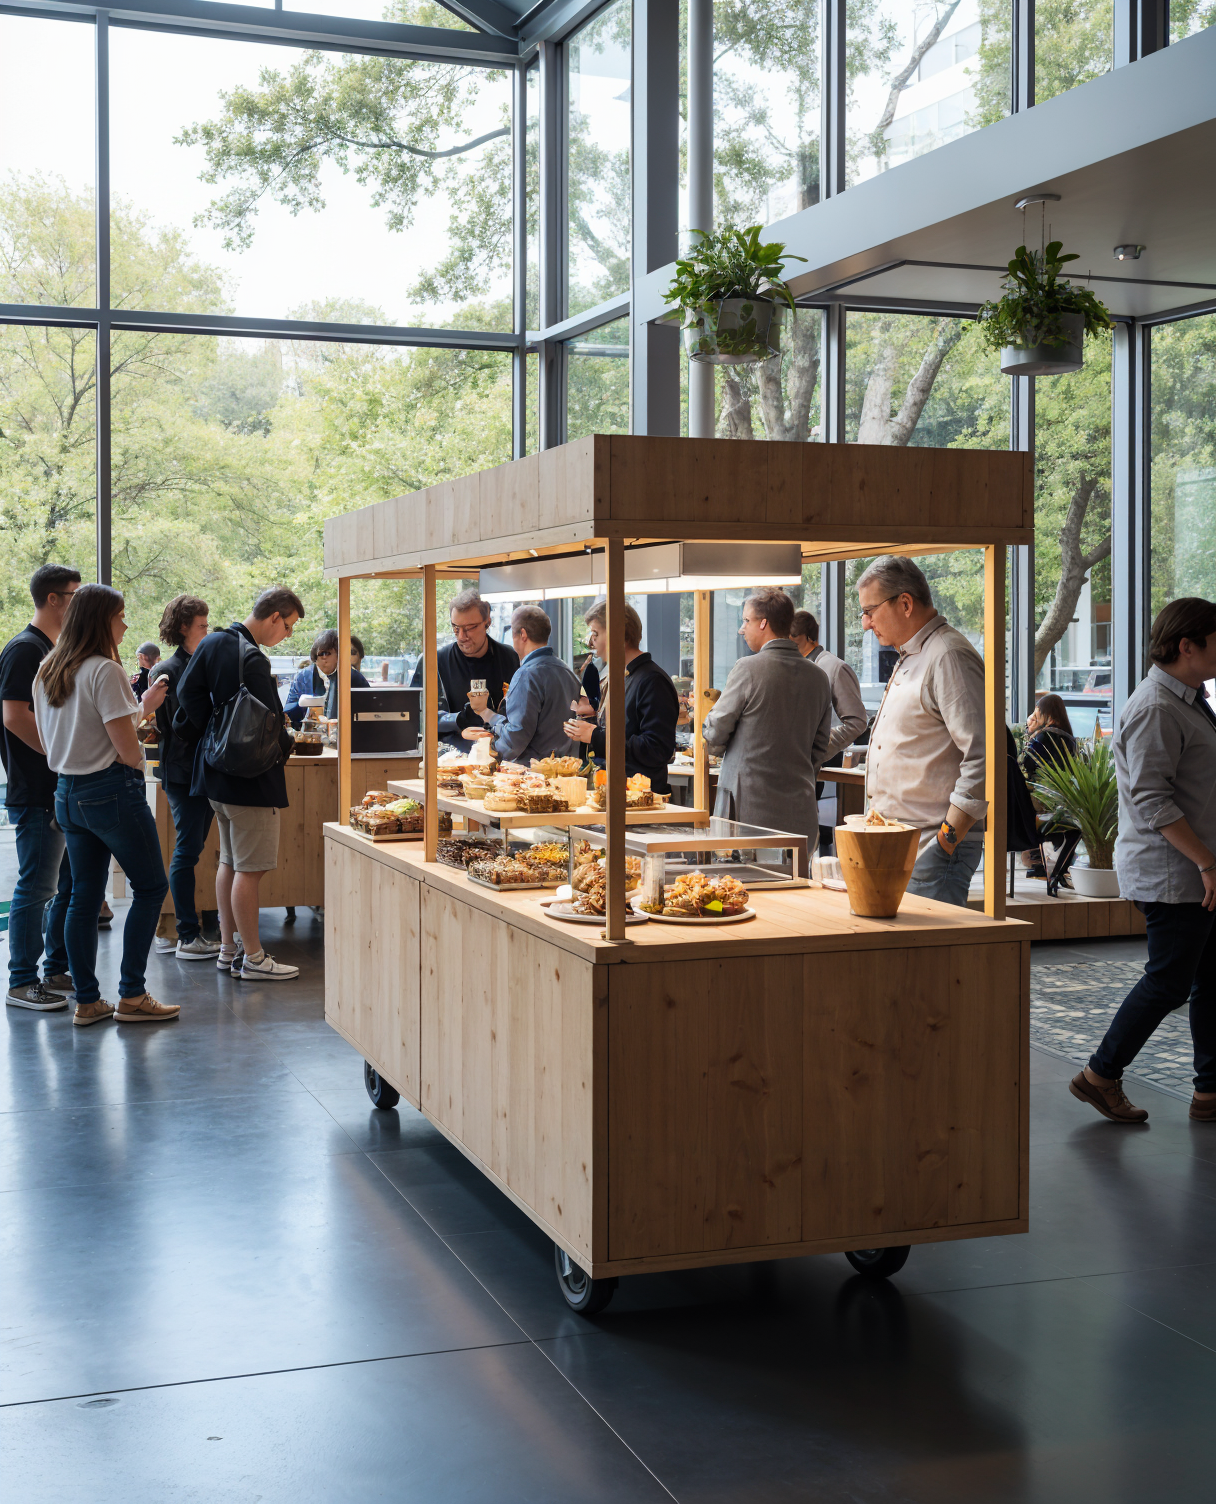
(836, 500)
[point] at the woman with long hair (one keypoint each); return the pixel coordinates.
(86, 714)
(1049, 734)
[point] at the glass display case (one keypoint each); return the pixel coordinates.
(752, 854)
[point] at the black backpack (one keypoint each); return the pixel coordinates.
(242, 736)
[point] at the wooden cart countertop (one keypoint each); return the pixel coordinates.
(802, 920)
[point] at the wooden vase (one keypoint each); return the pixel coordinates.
(876, 863)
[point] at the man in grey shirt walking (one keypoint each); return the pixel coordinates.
(1165, 761)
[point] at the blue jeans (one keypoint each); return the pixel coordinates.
(106, 814)
(947, 878)
(192, 817)
(44, 875)
(1181, 966)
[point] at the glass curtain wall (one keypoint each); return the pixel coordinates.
(597, 381)
(1183, 453)
(1190, 16)
(1074, 41)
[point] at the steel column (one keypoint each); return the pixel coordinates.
(552, 241)
(1022, 79)
(831, 388)
(833, 88)
(701, 405)
(1131, 597)
(1141, 27)
(101, 355)
(1022, 604)
(654, 376)
(519, 255)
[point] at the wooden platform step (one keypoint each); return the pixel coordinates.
(1072, 917)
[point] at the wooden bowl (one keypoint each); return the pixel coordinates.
(877, 864)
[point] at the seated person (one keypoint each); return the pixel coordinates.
(1050, 737)
(323, 660)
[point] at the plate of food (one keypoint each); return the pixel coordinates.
(588, 906)
(696, 899)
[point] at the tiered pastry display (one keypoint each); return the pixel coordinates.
(638, 793)
(462, 851)
(384, 816)
(695, 896)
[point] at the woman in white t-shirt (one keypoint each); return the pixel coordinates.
(86, 714)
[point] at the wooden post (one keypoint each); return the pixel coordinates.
(344, 712)
(614, 761)
(430, 716)
(994, 726)
(702, 647)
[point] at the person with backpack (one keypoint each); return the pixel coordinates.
(183, 625)
(86, 714)
(228, 707)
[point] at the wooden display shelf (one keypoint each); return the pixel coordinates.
(472, 810)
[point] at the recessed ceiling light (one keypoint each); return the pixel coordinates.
(1128, 252)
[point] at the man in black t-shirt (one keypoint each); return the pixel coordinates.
(474, 655)
(43, 872)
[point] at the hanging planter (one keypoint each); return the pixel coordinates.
(730, 296)
(1040, 323)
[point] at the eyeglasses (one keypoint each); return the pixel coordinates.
(870, 610)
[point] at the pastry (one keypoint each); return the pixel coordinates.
(695, 896)
(504, 872)
(556, 767)
(500, 803)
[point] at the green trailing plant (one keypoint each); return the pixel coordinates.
(1036, 301)
(732, 263)
(1078, 789)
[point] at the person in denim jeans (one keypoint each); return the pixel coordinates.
(86, 714)
(44, 875)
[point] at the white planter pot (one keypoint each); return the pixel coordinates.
(1048, 360)
(1095, 882)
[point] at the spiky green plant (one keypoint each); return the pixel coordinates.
(1078, 789)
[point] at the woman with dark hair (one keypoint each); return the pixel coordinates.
(86, 713)
(322, 660)
(1049, 735)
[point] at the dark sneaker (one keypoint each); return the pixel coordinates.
(1203, 1110)
(37, 998)
(1110, 1100)
(60, 982)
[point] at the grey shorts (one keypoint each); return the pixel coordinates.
(249, 836)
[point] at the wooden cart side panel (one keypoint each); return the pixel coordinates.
(705, 1133)
(372, 964)
(508, 1026)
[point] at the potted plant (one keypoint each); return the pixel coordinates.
(1078, 790)
(730, 293)
(1040, 323)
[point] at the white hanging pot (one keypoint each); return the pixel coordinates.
(1095, 882)
(1048, 360)
(733, 331)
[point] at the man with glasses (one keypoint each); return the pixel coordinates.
(43, 872)
(925, 765)
(474, 655)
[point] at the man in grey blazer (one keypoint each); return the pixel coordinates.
(772, 724)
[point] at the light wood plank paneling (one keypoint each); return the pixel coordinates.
(658, 482)
(570, 479)
(510, 498)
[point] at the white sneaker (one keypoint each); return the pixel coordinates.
(197, 949)
(166, 945)
(267, 970)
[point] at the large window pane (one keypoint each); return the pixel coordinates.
(312, 184)
(228, 456)
(47, 459)
(46, 163)
(778, 398)
(921, 73)
(924, 382)
(766, 109)
(1072, 521)
(1190, 16)
(532, 189)
(597, 381)
(598, 82)
(1184, 460)
(1074, 41)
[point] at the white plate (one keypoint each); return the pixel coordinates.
(566, 911)
(698, 919)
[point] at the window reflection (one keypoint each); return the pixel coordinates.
(597, 381)
(598, 126)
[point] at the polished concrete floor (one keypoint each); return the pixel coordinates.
(225, 1277)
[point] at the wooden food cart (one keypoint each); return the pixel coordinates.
(662, 1097)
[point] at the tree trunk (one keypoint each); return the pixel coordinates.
(1074, 571)
(735, 418)
(875, 421)
(900, 428)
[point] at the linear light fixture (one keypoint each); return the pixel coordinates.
(650, 569)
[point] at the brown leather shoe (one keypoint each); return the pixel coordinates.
(1108, 1100)
(144, 1010)
(1203, 1110)
(92, 1013)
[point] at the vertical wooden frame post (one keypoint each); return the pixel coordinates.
(430, 716)
(344, 711)
(614, 761)
(994, 726)
(701, 653)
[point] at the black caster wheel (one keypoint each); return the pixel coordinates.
(879, 1263)
(382, 1094)
(586, 1296)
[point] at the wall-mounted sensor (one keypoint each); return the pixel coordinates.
(1128, 252)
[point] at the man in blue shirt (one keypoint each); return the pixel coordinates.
(538, 701)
